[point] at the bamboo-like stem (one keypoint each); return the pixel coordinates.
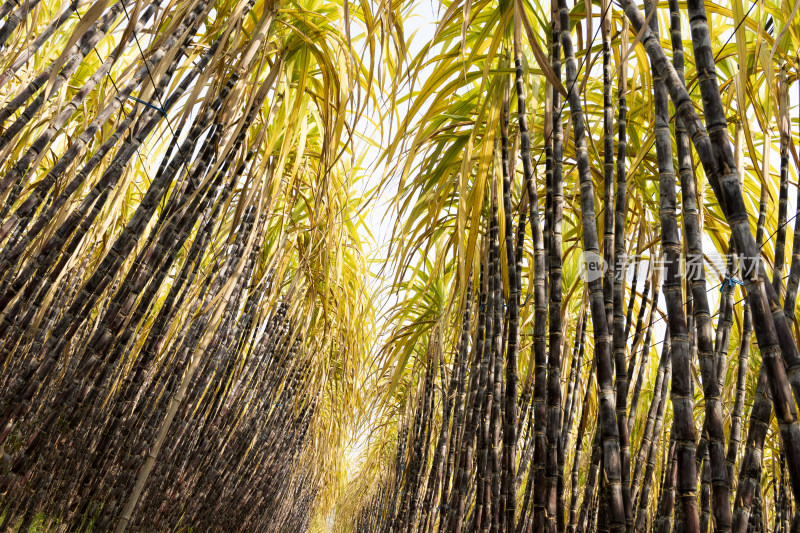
(510, 401)
(681, 391)
(587, 508)
(650, 435)
(709, 355)
(783, 194)
(235, 272)
(666, 502)
(555, 460)
(576, 460)
(652, 452)
(478, 372)
(607, 414)
(646, 347)
(750, 469)
(772, 332)
(495, 519)
(539, 292)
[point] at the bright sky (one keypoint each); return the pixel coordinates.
(381, 217)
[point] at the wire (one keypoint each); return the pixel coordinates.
(781, 226)
(149, 74)
(663, 317)
(572, 85)
(716, 57)
(754, 4)
(113, 83)
(694, 85)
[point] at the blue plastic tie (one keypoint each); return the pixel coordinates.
(730, 281)
(148, 104)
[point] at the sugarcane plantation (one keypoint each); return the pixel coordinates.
(399, 266)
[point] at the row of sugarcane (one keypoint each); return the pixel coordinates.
(155, 364)
(495, 460)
